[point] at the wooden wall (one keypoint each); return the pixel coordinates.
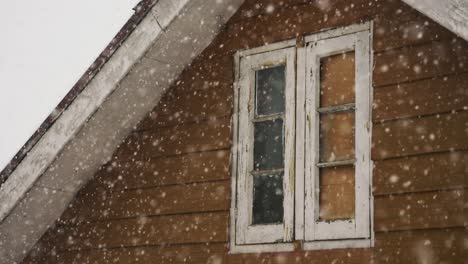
(165, 196)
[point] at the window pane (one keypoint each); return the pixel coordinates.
(337, 79)
(270, 90)
(336, 136)
(268, 199)
(337, 193)
(268, 144)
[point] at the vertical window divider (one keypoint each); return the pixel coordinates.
(363, 135)
(301, 121)
(300, 146)
(246, 232)
(353, 232)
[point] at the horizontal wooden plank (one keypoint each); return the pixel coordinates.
(430, 96)
(423, 246)
(436, 171)
(251, 25)
(420, 135)
(192, 106)
(416, 29)
(180, 169)
(426, 246)
(100, 204)
(322, 12)
(202, 253)
(419, 210)
(205, 72)
(350, 256)
(420, 62)
(308, 19)
(176, 140)
(169, 229)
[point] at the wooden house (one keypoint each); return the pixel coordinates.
(264, 131)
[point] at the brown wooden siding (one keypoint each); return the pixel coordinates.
(165, 195)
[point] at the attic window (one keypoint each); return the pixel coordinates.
(301, 155)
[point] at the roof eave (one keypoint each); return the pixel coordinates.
(87, 132)
(452, 14)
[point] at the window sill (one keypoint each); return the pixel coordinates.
(306, 246)
(338, 244)
(261, 248)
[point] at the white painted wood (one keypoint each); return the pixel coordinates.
(126, 88)
(234, 153)
(72, 119)
(244, 149)
(261, 248)
(452, 14)
(63, 131)
(300, 138)
(318, 229)
(334, 244)
(167, 10)
(246, 233)
(309, 141)
(327, 44)
(267, 48)
(290, 139)
(363, 134)
(371, 166)
(318, 234)
(20, 230)
(337, 32)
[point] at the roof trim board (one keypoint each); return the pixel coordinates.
(76, 114)
(140, 11)
(452, 14)
(92, 97)
(47, 179)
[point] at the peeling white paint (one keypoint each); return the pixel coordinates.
(87, 133)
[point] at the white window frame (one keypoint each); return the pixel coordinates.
(297, 205)
(339, 233)
(247, 237)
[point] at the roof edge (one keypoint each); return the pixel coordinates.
(84, 98)
(141, 9)
(84, 137)
(451, 14)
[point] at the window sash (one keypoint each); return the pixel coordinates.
(245, 233)
(264, 238)
(359, 227)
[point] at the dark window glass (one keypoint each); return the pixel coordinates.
(270, 85)
(268, 199)
(268, 144)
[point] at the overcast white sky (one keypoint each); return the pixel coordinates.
(45, 46)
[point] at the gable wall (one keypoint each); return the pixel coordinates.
(165, 196)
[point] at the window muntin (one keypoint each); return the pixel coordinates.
(341, 168)
(266, 147)
(336, 134)
(337, 138)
